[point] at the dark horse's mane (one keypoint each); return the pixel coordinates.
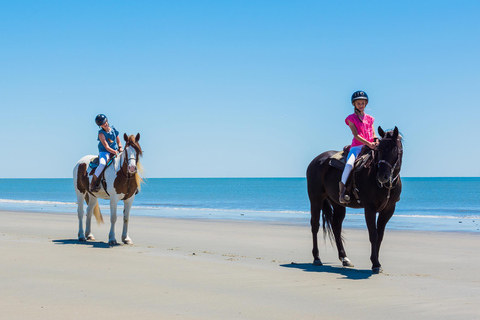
(389, 134)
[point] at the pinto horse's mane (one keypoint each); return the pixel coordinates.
(134, 144)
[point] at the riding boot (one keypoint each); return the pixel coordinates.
(343, 198)
(95, 184)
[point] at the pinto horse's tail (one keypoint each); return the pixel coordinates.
(98, 214)
(327, 219)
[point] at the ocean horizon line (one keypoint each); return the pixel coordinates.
(403, 177)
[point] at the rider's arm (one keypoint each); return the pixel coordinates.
(374, 134)
(119, 144)
(359, 137)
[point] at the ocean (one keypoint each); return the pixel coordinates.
(431, 204)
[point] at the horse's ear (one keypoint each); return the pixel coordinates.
(395, 133)
(125, 137)
(381, 132)
(137, 138)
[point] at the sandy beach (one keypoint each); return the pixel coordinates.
(210, 269)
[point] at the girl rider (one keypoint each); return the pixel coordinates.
(109, 144)
(361, 125)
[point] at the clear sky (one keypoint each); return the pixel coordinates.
(236, 88)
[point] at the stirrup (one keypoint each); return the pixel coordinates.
(96, 186)
(345, 199)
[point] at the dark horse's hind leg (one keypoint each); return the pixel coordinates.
(315, 208)
(338, 217)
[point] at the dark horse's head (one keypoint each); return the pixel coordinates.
(389, 156)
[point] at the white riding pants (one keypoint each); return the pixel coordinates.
(352, 155)
(103, 158)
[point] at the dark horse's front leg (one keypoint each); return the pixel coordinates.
(376, 231)
(375, 238)
(383, 218)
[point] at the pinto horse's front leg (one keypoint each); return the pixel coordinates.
(126, 216)
(113, 219)
(370, 218)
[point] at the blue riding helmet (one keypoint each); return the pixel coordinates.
(100, 119)
(359, 95)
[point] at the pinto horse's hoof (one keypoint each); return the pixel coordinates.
(377, 270)
(91, 238)
(347, 263)
(113, 243)
(317, 262)
(128, 241)
(82, 239)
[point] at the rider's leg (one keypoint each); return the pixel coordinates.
(352, 155)
(102, 162)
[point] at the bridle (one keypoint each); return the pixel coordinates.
(126, 160)
(391, 179)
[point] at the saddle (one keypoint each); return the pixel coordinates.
(364, 159)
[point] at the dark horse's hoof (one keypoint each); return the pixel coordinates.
(347, 263)
(377, 270)
(317, 262)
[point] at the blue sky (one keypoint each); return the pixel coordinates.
(236, 88)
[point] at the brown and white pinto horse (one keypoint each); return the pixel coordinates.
(122, 182)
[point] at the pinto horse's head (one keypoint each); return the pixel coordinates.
(132, 152)
(389, 156)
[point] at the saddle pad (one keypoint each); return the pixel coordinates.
(338, 160)
(94, 163)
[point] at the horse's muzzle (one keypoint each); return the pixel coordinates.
(383, 178)
(132, 169)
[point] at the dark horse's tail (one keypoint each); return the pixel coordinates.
(327, 219)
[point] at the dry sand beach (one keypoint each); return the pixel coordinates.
(209, 269)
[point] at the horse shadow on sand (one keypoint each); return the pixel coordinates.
(347, 273)
(93, 244)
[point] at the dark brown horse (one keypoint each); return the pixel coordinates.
(378, 187)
